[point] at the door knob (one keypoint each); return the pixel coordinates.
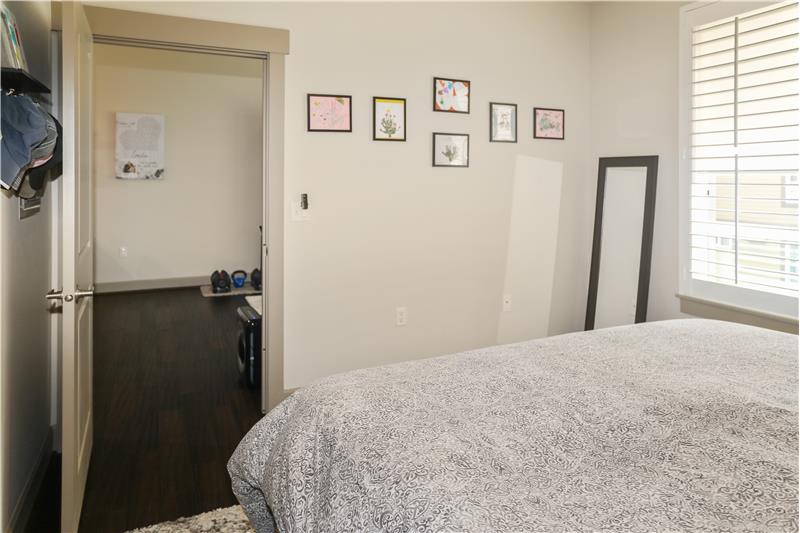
(80, 293)
(53, 294)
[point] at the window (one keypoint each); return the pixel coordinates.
(791, 253)
(741, 153)
(790, 190)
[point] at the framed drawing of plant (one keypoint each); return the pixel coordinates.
(502, 123)
(330, 112)
(388, 119)
(450, 150)
(451, 96)
(548, 123)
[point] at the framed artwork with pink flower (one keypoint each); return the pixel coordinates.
(548, 123)
(451, 96)
(330, 112)
(388, 119)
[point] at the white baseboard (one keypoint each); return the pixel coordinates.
(24, 505)
(150, 284)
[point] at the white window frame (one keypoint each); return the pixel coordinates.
(763, 303)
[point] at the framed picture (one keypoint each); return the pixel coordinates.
(388, 119)
(451, 96)
(450, 150)
(330, 112)
(548, 123)
(502, 123)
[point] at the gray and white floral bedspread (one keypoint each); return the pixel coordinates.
(667, 426)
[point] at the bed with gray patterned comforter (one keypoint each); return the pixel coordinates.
(685, 425)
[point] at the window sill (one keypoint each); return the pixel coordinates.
(707, 308)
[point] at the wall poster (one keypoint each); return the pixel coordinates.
(140, 146)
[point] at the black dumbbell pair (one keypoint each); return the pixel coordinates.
(220, 281)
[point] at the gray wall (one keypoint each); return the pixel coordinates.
(24, 320)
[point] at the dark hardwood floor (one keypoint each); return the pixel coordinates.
(169, 408)
(45, 517)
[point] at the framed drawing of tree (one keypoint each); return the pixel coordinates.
(388, 119)
(450, 150)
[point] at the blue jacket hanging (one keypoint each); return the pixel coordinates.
(23, 127)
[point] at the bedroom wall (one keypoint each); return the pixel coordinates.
(25, 442)
(634, 111)
(388, 230)
(205, 214)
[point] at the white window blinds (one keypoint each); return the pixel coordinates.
(744, 150)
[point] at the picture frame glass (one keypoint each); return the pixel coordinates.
(548, 123)
(503, 123)
(451, 96)
(329, 112)
(450, 150)
(389, 119)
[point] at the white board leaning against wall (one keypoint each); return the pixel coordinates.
(140, 146)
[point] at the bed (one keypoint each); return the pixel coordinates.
(678, 425)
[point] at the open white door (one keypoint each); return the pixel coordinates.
(78, 262)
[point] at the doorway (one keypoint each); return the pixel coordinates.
(80, 29)
(169, 404)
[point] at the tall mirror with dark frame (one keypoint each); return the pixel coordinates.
(623, 241)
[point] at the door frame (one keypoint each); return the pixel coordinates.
(149, 30)
(220, 38)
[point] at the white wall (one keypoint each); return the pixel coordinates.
(205, 214)
(386, 228)
(634, 111)
(24, 320)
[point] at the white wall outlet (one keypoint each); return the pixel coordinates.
(506, 302)
(401, 316)
(123, 251)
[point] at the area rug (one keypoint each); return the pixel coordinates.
(227, 520)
